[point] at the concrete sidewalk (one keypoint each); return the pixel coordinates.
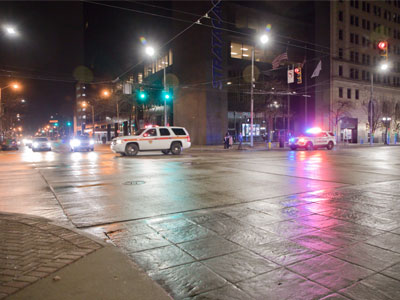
(40, 260)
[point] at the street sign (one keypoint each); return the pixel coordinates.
(53, 121)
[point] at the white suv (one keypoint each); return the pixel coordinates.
(164, 139)
(313, 139)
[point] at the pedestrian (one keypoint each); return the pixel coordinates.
(230, 141)
(240, 139)
(226, 141)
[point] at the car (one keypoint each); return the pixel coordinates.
(41, 144)
(167, 139)
(314, 138)
(27, 142)
(80, 143)
(9, 144)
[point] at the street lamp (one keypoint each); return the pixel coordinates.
(382, 67)
(264, 39)
(386, 121)
(10, 30)
(150, 51)
(14, 86)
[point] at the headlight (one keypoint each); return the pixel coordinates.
(119, 141)
(35, 144)
(25, 141)
(48, 144)
(91, 142)
(75, 142)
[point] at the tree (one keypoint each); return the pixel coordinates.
(378, 108)
(338, 111)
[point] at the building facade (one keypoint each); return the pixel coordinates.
(357, 27)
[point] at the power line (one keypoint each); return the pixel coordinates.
(192, 24)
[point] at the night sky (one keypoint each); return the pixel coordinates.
(58, 37)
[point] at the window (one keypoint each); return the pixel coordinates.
(363, 60)
(368, 25)
(352, 73)
(357, 95)
(164, 132)
(340, 34)
(351, 20)
(364, 23)
(356, 21)
(340, 92)
(340, 53)
(150, 132)
(368, 59)
(356, 57)
(363, 75)
(340, 70)
(351, 37)
(356, 38)
(179, 131)
(348, 93)
(352, 55)
(355, 74)
(243, 51)
(340, 15)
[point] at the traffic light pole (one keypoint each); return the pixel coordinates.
(252, 99)
(165, 99)
(371, 139)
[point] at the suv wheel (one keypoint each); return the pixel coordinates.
(329, 146)
(131, 149)
(166, 152)
(176, 148)
(293, 147)
(309, 146)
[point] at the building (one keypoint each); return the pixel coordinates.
(209, 70)
(357, 27)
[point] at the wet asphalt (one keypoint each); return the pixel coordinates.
(229, 224)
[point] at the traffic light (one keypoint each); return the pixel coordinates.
(298, 75)
(141, 94)
(55, 124)
(383, 47)
(166, 95)
(69, 123)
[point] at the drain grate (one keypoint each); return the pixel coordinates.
(136, 182)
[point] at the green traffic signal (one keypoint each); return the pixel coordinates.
(142, 95)
(166, 95)
(69, 124)
(55, 124)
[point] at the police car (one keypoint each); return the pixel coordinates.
(153, 138)
(314, 138)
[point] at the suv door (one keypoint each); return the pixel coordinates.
(322, 139)
(149, 140)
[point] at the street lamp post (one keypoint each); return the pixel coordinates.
(14, 86)
(150, 51)
(383, 67)
(386, 121)
(263, 39)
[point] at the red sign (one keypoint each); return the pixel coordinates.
(53, 121)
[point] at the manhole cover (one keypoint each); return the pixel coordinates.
(134, 182)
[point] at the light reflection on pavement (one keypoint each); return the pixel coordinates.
(250, 225)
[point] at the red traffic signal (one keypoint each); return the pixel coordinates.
(297, 70)
(382, 45)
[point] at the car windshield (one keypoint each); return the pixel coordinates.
(84, 137)
(41, 140)
(139, 132)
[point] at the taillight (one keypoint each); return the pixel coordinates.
(188, 138)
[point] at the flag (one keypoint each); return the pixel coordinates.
(290, 76)
(317, 70)
(277, 60)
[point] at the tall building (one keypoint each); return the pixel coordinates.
(356, 75)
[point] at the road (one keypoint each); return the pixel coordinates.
(238, 224)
